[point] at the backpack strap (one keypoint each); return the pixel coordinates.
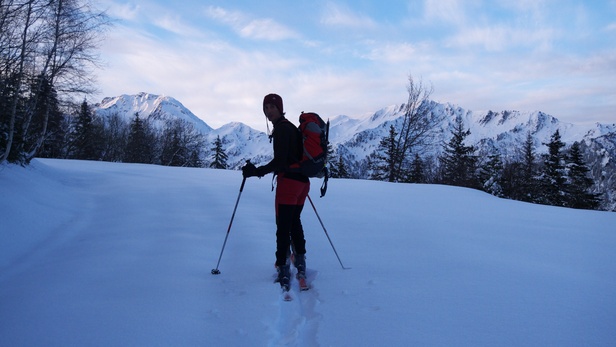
(324, 184)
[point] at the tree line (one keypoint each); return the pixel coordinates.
(558, 178)
(47, 54)
(48, 51)
(175, 142)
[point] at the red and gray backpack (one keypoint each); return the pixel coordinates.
(315, 135)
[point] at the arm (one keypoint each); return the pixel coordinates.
(283, 136)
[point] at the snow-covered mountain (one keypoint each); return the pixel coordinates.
(157, 108)
(503, 132)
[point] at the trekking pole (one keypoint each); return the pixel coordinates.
(216, 271)
(326, 234)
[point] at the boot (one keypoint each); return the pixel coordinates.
(283, 276)
(300, 264)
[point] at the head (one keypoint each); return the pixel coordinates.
(272, 107)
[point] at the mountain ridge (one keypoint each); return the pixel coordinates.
(354, 139)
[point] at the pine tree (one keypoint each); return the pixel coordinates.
(553, 179)
(385, 158)
(417, 173)
(458, 160)
(529, 183)
(512, 182)
(219, 157)
(579, 182)
(490, 175)
(48, 140)
(339, 169)
(84, 142)
(139, 148)
(343, 172)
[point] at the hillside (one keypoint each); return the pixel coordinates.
(95, 253)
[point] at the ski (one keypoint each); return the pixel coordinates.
(286, 295)
(303, 285)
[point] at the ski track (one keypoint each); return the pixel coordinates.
(298, 320)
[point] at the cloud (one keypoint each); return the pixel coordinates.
(501, 38)
(337, 15)
(250, 28)
(124, 11)
(393, 52)
(447, 11)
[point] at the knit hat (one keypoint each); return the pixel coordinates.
(275, 100)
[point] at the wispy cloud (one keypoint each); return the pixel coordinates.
(251, 28)
(501, 38)
(339, 15)
(447, 11)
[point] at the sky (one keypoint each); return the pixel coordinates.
(219, 58)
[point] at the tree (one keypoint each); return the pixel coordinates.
(490, 175)
(579, 183)
(48, 45)
(528, 182)
(458, 161)
(418, 124)
(417, 173)
(553, 178)
(139, 148)
(180, 144)
(512, 182)
(219, 157)
(339, 169)
(115, 139)
(84, 141)
(385, 158)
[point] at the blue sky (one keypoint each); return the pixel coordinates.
(219, 58)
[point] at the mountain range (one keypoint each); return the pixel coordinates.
(355, 139)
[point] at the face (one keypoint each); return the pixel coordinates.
(271, 112)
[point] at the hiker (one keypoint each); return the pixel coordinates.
(291, 190)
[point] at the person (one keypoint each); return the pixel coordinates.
(291, 191)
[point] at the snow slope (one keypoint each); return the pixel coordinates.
(108, 254)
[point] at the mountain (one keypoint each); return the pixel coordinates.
(354, 139)
(240, 141)
(157, 108)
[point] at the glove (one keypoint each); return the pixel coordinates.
(249, 170)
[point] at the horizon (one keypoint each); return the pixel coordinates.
(344, 58)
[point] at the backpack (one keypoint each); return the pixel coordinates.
(315, 139)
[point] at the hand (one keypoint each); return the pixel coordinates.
(249, 170)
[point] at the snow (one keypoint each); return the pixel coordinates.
(109, 254)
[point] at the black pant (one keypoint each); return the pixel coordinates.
(289, 231)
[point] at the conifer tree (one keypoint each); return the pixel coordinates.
(528, 182)
(553, 178)
(339, 169)
(385, 158)
(458, 160)
(219, 157)
(579, 182)
(139, 148)
(490, 175)
(84, 142)
(417, 173)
